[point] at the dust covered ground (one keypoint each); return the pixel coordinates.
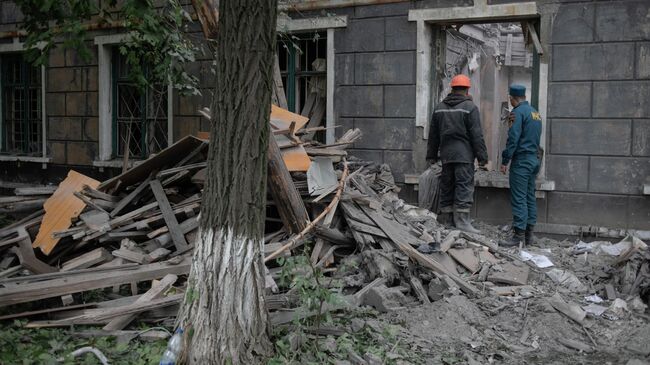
(525, 328)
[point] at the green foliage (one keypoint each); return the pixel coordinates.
(156, 47)
(19, 345)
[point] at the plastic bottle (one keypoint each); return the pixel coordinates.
(174, 347)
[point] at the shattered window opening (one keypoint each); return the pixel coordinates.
(139, 119)
(22, 132)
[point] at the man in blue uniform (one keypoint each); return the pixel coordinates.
(523, 153)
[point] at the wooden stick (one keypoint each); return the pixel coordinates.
(311, 225)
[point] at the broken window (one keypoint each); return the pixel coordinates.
(22, 127)
(493, 56)
(302, 59)
(139, 117)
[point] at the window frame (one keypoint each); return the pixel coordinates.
(19, 47)
(106, 156)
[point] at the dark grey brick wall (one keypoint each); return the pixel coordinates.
(598, 113)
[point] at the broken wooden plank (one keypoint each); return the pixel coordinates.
(157, 290)
(130, 197)
(94, 257)
(288, 201)
(168, 215)
(130, 255)
(28, 259)
(449, 240)
(94, 193)
(36, 190)
(403, 245)
(74, 282)
(60, 209)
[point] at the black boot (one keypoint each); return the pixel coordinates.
(530, 238)
(518, 236)
(464, 222)
(445, 217)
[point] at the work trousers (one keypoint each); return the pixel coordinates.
(456, 187)
(523, 173)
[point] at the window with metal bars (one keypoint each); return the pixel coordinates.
(22, 128)
(139, 117)
(302, 60)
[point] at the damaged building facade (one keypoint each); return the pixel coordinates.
(380, 66)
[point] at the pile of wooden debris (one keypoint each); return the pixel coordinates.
(137, 229)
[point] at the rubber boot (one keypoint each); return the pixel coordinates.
(518, 236)
(463, 221)
(529, 237)
(446, 217)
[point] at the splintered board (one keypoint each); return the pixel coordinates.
(61, 208)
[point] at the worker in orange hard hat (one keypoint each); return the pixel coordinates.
(456, 140)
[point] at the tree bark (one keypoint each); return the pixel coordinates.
(224, 314)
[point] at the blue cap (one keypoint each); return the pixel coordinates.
(517, 90)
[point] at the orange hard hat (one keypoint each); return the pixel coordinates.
(460, 81)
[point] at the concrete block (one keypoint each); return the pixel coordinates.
(63, 128)
(570, 173)
(573, 23)
(426, 4)
(73, 59)
(90, 129)
(641, 137)
(399, 101)
(401, 35)
(56, 151)
(368, 155)
(400, 162)
(591, 137)
(91, 79)
(384, 68)
(56, 57)
(381, 10)
(587, 209)
(621, 99)
(81, 153)
(570, 100)
(344, 69)
(64, 79)
(360, 101)
(618, 175)
(639, 212)
(606, 61)
(643, 60)
(92, 101)
(185, 126)
(365, 35)
(622, 21)
(75, 104)
(385, 133)
(55, 104)
(384, 299)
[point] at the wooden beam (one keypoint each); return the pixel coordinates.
(129, 198)
(533, 35)
(157, 290)
(288, 200)
(168, 215)
(83, 281)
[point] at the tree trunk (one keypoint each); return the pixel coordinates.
(224, 313)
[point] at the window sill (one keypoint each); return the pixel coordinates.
(25, 159)
(492, 179)
(116, 163)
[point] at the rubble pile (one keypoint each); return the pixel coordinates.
(134, 233)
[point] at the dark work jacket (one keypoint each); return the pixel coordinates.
(456, 133)
(524, 135)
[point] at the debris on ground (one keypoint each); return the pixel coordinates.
(454, 296)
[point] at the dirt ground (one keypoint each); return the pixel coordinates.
(525, 328)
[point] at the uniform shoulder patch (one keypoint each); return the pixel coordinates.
(536, 116)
